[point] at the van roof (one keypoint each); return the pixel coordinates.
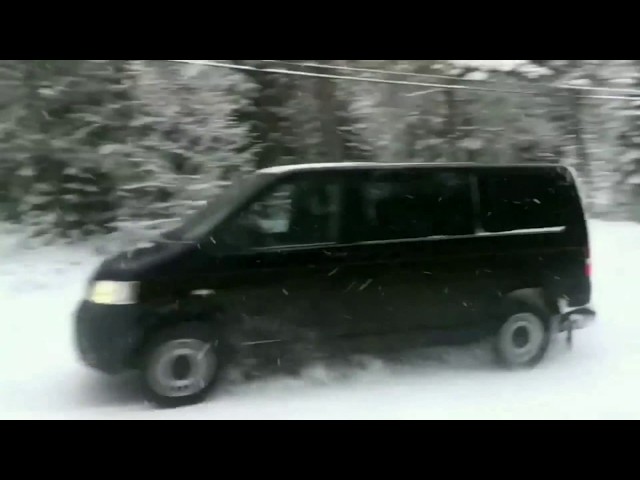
(373, 165)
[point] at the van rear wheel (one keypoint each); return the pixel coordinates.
(523, 339)
(180, 366)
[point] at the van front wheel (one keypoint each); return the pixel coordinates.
(180, 366)
(522, 340)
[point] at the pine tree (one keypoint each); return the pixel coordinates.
(629, 139)
(87, 145)
(185, 141)
(270, 133)
(571, 115)
(60, 186)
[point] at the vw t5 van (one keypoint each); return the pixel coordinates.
(319, 254)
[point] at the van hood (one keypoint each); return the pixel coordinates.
(152, 259)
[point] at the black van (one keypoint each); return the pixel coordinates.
(315, 254)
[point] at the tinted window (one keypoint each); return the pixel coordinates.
(302, 212)
(527, 200)
(198, 225)
(417, 204)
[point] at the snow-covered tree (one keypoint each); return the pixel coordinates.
(184, 139)
(264, 114)
(90, 145)
(629, 139)
(62, 111)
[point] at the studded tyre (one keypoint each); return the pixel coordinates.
(523, 338)
(180, 365)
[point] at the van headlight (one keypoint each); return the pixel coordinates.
(113, 293)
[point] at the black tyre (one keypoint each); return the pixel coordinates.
(523, 338)
(180, 366)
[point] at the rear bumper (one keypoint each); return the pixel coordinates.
(576, 318)
(107, 337)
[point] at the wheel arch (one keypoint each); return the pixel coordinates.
(191, 310)
(531, 297)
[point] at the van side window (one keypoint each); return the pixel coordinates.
(412, 205)
(521, 201)
(299, 213)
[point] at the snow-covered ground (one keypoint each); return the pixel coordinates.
(600, 379)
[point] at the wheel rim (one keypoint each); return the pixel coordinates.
(181, 368)
(522, 337)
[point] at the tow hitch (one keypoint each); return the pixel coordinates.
(575, 319)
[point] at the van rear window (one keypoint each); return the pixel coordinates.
(527, 200)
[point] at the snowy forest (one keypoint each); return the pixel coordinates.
(92, 146)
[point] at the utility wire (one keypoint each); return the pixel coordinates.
(375, 70)
(298, 73)
(445, 77)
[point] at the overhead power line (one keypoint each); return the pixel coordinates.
(376, 71)
(445, 77)
(299, 73)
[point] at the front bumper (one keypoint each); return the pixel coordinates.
(107, 337)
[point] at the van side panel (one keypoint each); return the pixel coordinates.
(532, 218)
(409, 249)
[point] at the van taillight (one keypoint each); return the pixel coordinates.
(587, 262)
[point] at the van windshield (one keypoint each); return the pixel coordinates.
(200, 223)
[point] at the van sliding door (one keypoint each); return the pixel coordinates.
(411, 265)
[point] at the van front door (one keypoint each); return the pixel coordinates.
(270, 269)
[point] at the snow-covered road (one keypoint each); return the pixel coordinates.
(600, 379)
